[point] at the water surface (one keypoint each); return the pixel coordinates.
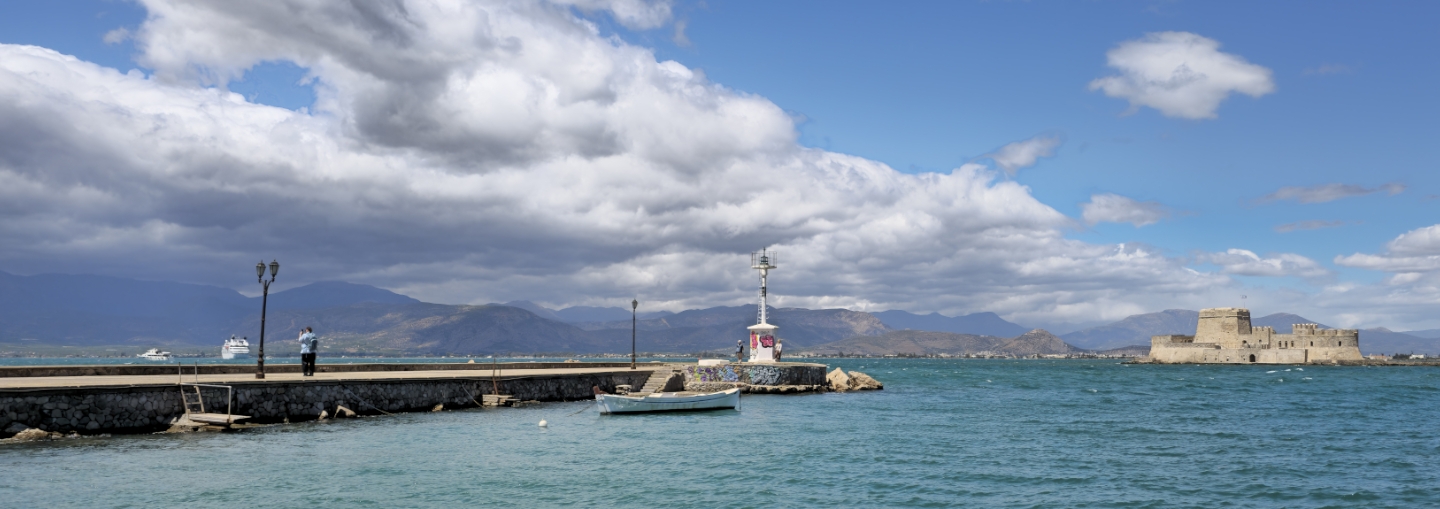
(1038, 433)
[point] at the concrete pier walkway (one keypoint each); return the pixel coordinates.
(481, 372)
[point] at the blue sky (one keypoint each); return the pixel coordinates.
(1334, 146)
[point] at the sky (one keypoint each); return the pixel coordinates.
(1058, 163)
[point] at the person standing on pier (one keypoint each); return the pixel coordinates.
(739, 350)
(309, 345)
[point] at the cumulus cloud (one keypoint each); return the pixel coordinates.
(1417, 250)
(1241, 262)
(1313, 224)
(1019, 155)
(1329, 192)
(1113, 208)
(116, 36)
(1180, 74)
(485, 152)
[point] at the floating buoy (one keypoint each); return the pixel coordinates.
(544, 423)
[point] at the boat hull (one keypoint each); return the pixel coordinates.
(668, 402)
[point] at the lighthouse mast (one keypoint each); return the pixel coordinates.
(762, 334)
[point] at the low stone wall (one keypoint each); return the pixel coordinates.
(323, 365)
(148, 409)
(779, 373)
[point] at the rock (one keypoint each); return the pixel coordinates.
(838, 381)
(438, 408)
(31, 434)
(341, 411)
(324, 415)
(862, 382)
(15, 427)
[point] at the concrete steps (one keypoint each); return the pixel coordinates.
(656, 382)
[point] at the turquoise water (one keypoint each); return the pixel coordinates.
(996, 433)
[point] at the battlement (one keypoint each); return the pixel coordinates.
(1310, 329)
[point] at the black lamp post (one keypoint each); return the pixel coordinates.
(264, 298)
(634, 304)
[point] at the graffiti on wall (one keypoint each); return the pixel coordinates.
(764, 375)
(724, 373)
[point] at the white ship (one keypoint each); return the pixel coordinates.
(154, 354)
(235, 348)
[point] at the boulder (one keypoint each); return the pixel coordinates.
(15, 427)
(31, 434)
(438, 408)
(862, 382)
(341, 411)
(838, 381)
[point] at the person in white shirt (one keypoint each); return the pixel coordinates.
(309, 345)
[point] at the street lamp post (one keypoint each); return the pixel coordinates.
(264, 298)
(634, 305)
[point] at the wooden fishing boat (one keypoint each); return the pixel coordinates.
(666, 401)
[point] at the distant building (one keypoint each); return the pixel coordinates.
(1225, 336)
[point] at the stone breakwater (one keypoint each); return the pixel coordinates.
(154, 408)
(778, 378)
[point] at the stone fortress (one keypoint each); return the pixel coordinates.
(1225, 336)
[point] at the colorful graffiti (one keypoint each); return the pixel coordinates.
(724, 373)
(763, 375)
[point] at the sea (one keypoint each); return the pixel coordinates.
(943, 433)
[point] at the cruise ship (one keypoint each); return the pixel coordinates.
(235, 348)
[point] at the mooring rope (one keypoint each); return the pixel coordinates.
(362, 400)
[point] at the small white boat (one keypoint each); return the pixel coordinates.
(154, 354)
(235, 348)
(667, 401)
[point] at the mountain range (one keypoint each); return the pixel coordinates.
(87, 310)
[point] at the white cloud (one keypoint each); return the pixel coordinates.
(1329, 192)
(1113, 208)
(482, 153)
(1241, 262)
(1417, 250)
(116, 36)
(1180, 74)
(1024, 154)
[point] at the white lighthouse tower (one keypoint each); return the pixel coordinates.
(762, 335)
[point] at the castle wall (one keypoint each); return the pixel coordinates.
(1225, 336)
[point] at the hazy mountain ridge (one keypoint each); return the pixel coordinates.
(913, 342)
(98, 310)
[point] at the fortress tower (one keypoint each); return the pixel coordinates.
(762, 334)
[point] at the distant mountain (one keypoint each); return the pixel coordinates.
(540, 311)
(94, 310)
(1385, 341)
(422, 328)
(1135, 329)
(913, 342)
(1427, 333)
(1284, 323)
(329, 294)
(718, 328)
(592, 314)
(983, 324)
